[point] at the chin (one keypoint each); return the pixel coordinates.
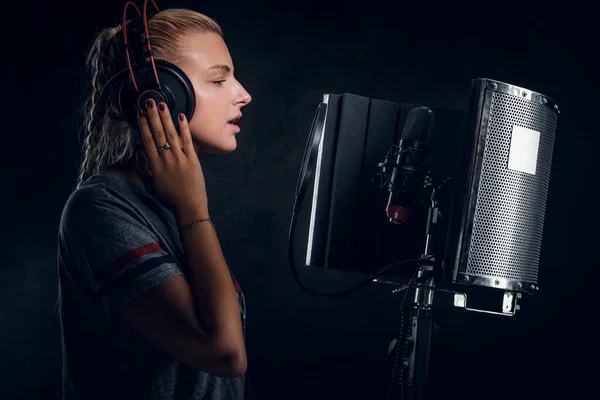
(225, 147)
(228, 146)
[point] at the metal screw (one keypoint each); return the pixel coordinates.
(466, 278)
(520, 285)
(556, 106)
(494, 85)
(524, 94)
(545, 100)
(497, 282)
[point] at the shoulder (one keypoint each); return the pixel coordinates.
(89, 198)
(99, 202)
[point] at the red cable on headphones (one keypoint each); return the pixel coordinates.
(147, 36)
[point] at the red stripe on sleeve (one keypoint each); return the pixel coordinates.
(237, 286)
(127, 258)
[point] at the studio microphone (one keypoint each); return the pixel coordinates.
(411, 162)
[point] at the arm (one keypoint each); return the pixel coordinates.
(191, 318)
(199, 318)
(214, 294)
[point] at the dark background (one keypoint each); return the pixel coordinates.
(287, 55)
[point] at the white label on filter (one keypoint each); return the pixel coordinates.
(524, 146)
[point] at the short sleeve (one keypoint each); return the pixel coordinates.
(111, 245)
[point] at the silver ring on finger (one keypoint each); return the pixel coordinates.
(166, 146)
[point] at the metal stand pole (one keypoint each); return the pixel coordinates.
(421, 316)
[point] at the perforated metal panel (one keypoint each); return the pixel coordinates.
(510, 205)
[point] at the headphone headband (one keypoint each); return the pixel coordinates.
(135, 48)
(149, 79)
(139, 27)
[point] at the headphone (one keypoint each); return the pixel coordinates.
(148, 78)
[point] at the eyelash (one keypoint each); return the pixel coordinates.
(218, 83)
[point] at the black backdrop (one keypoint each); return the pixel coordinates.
(287, 54)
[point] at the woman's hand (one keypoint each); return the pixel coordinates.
(178, 179)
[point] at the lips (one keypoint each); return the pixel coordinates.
(236, 128)
(232, 122)
(235, 119)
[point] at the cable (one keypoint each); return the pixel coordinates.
(401, 347)
(360, 285)
(127, 57)
(395, 381)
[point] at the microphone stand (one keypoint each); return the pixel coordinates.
(417, 337)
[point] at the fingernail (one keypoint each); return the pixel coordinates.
(141, 112)
(149, 103)
(181, 117)
(161, 106)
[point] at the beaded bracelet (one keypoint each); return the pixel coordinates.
(194, 223)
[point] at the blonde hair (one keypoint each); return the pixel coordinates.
(108, 139)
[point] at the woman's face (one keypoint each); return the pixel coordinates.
(219, 96)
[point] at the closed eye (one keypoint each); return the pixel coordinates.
(219, 82)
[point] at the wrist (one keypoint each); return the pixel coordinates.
(185, 215)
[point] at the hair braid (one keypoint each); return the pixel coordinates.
(94, 113)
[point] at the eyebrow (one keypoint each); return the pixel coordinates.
(221, 67)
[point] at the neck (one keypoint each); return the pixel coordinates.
(132, 172)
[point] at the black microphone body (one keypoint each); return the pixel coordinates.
(411, 162)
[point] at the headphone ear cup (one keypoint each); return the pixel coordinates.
(175, 89)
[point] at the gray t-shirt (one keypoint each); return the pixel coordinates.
(118, 240)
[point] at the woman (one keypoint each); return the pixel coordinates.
(148, 306)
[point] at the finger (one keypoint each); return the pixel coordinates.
(186, 136)
(156, 126)
(147, 138)
(170, 131)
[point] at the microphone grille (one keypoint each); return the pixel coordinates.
(419, 125)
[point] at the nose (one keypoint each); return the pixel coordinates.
(243, 97)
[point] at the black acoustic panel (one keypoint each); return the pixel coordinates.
(346, 220)
(381, 131)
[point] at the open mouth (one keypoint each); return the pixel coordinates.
(232, 122)
(235, 119)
